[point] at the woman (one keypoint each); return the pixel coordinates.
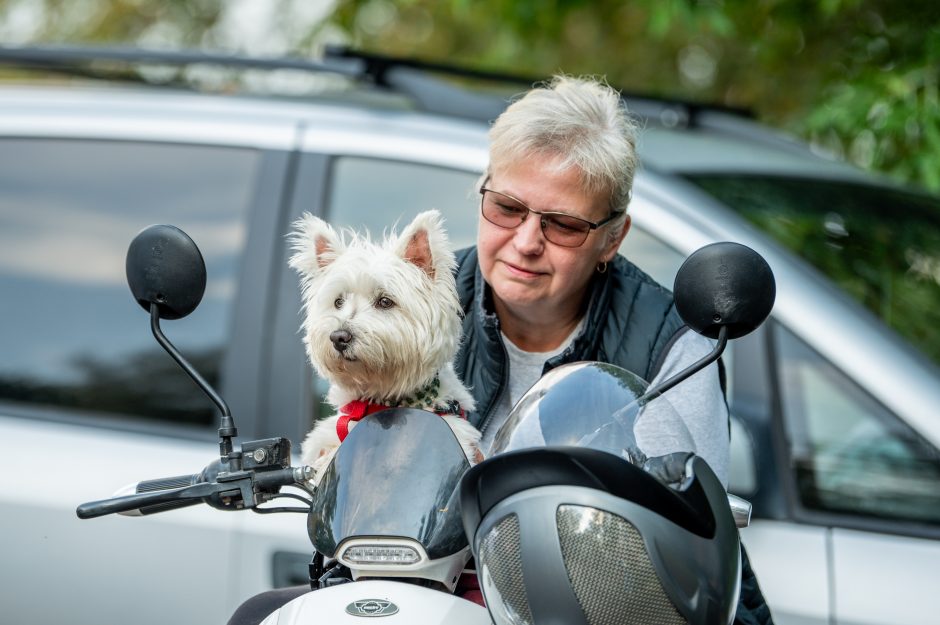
(545, 285)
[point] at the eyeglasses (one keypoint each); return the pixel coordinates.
(561, 229)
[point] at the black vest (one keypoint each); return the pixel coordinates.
(630, 323)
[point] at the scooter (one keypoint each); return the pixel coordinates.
(398, 515)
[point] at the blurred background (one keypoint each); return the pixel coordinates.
(835, 431)
(856, 78)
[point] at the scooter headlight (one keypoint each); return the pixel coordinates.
(381, 554)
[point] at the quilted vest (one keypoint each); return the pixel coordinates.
(631, 320)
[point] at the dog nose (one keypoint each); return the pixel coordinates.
(341, 339)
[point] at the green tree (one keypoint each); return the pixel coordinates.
(163, 23)
(857, 78)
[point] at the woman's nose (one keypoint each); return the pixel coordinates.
(528, 237)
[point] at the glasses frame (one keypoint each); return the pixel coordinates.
(542, 214)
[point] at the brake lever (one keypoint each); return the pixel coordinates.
(102, 507)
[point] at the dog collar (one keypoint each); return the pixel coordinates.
(423, 399)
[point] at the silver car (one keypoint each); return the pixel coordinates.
(835, 428)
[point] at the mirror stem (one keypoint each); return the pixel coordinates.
(227, 431)
(656, 391)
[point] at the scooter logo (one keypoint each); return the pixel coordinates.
(372, 607)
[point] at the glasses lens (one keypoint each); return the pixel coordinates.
(502, 210)
(565, 230)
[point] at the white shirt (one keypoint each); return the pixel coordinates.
(525, 369)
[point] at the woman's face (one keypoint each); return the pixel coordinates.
(531, 277)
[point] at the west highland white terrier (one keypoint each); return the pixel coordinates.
(382, 326)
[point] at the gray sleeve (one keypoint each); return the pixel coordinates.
(699, 402)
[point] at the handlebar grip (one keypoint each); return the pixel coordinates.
(94, 509)
(174, 497)
(166, 483)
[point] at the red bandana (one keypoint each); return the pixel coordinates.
(357, 409)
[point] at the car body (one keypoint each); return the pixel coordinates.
(835, 428)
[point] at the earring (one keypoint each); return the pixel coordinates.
(601, 267)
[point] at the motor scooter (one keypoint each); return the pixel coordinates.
(398, 514)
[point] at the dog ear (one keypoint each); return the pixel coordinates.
(315, 244)
(424, 244)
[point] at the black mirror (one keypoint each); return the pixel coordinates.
(167, 276)
(724, 285)
(722, 291)
(165, 267)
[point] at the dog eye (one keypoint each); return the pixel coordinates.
(384, 302)
(338, 302)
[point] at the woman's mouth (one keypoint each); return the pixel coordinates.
(522, 273)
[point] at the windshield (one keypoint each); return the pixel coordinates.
(881, 245)
(595, 405)
(395, 475)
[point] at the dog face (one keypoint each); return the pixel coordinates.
(380, 319)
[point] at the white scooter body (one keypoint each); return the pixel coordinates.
(393, 602)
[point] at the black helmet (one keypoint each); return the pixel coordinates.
(595, 531)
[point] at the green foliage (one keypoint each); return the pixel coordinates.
(166, 23)
(857, 77)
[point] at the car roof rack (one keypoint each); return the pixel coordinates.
(381, 69)
(409, 77)
(72, 58)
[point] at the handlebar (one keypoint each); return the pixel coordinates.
(225, 490)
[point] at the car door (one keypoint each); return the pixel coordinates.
(88, 400)
(871, 480)
(844, 489)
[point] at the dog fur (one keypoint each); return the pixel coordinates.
(396, 303)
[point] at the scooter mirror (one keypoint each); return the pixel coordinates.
(724, 285)
(165, 267)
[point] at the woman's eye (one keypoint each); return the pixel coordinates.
(566, 225)
(511, 210)
(338, 302)
(384, 303)
(563, 227)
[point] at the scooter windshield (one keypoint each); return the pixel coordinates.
(595, 405)
(395, 475)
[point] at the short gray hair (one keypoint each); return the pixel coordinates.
(581, 121)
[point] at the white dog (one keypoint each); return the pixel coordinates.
(382, 326)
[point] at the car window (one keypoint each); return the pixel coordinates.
(374, 194)
(71, 334)
(881, 245)
(850, 454)
(650, 254)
